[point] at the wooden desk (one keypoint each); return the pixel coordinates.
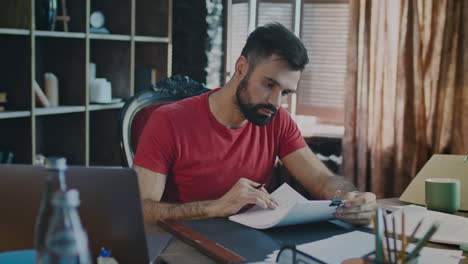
(179, 252)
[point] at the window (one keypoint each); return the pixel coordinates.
(323, 27)
(238, 30)
(324, 31)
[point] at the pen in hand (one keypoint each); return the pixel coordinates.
(259, 186)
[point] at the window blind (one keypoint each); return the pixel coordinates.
(324, 31)
(269, 12)
(239, 31)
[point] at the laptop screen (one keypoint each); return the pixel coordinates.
(110, 208)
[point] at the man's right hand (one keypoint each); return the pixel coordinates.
(242, 193)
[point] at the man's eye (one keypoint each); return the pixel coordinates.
(270, 85)
(286, 92)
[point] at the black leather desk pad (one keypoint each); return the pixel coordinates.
(254, 244)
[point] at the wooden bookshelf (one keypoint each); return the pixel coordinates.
(59, 110)
(14, 114)
(84, 132)
(110, 37)
(97, 107)
(57, 34)
(13, 31)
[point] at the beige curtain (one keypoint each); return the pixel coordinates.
(407, 94)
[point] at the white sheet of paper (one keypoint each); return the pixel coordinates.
(293, 209)
(453, 229)
(336, 249)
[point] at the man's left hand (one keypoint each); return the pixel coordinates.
(358, 209)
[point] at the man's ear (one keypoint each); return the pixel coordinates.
(242, 67)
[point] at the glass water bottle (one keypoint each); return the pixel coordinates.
(55, 181)
(66, 241)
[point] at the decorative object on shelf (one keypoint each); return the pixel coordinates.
(101, 91)
(6, 156)
(40, 160)
(51, 88)
(100, 88)
(92, 71)
(65, 18)
(97, 20)
(3, 101)
(145, 78)
(46, 14)
(3, 97)
(41, 98)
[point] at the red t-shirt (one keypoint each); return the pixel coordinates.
(202, 158)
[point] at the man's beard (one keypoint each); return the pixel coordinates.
(250, 110)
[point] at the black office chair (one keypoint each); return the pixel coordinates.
(138, 109)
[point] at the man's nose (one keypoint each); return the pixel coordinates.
(275, 99)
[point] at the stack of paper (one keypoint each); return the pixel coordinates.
(452, 229)
(293, 209)
(336, 249)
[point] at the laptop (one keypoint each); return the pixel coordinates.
(110, 210)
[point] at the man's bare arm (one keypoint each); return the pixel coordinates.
(314, 175)
(154, 211)
(152, 186)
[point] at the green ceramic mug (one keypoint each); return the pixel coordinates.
(443, 194)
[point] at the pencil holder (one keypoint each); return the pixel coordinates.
(370, 258)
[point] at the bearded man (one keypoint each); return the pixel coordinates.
(210, 155)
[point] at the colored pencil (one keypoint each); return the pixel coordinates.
(403, 237)
(422, 242)
(389, 253)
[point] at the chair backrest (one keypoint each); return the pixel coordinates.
(139, 108)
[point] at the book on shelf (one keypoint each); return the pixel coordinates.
(41, 98)
(145, 77)
(3, 97)
(6, 156)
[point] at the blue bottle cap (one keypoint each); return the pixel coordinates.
(105, 252)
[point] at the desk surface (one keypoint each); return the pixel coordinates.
(179, 252)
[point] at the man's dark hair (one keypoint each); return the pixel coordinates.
(275, 39)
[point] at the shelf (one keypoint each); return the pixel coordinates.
(15, 14)
(58, 110)
(151, 39)
(59, 34)
(152, 18)
(112, 59)
(16, 137)
(85, 133)
(104, 138)
(145, 52)
(109, 37)
(62, 135)
(13, 31)
(14, 114)
(117, 15)
(15, 71)
(96, 107)
(64, 57)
